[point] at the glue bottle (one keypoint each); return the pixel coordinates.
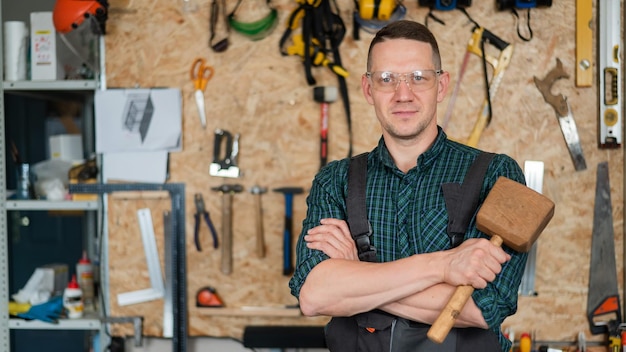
(524, 343)
(73, 299)
(84, 273)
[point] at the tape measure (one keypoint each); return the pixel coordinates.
(207, 297)
(376, 9)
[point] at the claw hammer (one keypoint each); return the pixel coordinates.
(227, 224)
(288, 229)
(260, 240)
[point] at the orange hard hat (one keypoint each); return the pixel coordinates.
(69, 14)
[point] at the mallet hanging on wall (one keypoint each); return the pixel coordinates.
(324, 96)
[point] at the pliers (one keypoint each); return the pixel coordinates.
(201, 211)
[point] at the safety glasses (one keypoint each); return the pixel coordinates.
(418, 81)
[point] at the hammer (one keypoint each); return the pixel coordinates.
(512, 213)
(227, 224)
(287, 232)
(324, 96)
(260, 241)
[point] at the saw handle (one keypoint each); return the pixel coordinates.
(494, 40)
(444, 323)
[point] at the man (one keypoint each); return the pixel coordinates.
(417, 270)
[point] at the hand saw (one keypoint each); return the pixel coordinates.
(475, 45)
(563, 113)
(603, 308)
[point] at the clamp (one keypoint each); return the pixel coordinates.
(202, 212)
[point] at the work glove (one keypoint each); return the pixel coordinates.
(49, 312)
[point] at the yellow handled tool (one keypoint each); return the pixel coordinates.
(499, 64)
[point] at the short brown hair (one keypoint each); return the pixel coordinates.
(406, 29)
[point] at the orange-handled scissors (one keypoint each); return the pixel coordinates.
(201, 73)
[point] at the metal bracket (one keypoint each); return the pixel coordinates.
(176, 278)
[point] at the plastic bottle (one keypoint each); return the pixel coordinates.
(73, 299)
(524, 343)
(84, 272)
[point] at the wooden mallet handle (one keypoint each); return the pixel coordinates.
(444, 323)
(512, 213)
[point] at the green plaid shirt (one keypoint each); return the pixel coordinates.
(408, 215)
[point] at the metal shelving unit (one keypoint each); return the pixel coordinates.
(46, 89)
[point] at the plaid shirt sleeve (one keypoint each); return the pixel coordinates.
(499, 299)
(325, 200)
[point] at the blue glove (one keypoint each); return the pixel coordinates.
(49, 312)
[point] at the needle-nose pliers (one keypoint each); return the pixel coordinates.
(202, 212)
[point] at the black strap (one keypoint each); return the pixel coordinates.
(323, 31)
(360, 227)
(462, 199)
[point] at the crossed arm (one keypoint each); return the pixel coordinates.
(416, 288)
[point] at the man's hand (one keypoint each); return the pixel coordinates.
(475, 262)
(333, 238)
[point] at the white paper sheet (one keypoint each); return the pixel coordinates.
(138, 120)
(144, 167)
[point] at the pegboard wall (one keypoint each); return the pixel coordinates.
(264, 97)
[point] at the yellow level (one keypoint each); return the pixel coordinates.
(584, 43)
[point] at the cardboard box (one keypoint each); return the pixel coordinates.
(53, 57)
(56, 277)
(44, 64)
(67, 147)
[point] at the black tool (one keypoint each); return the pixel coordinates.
(225, 164)
(603, 308)
(287, 233)
(202, 212)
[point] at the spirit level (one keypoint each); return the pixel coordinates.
(609, 75)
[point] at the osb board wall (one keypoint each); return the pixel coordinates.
(264, 96)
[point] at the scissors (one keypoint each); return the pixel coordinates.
(201, 73)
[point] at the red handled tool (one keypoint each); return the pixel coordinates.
(324, 96)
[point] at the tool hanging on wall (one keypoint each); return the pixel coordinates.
(208, 297)
(218, 27)
(289, 192)
(228, 191)
(603, 307)
(255, 30)
(584, 43)
(322, 31)
(257, 191)
(202, 214)
(200, 75)
(225, 164)
(609, 74)
(372, 15)
(324, 96)
(443, 5)
(563, 113)
(513, 5)
(476, 45)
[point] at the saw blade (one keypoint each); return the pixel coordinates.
(603, 297)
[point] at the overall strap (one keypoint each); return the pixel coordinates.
(462, 199)
(360, 227)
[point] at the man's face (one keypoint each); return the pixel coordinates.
(405, 113)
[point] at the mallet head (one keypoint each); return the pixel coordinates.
(514, 212)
